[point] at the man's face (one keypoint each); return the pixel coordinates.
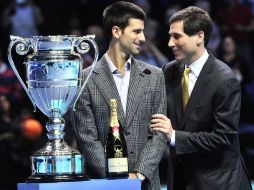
(184, 47)
(132, 37)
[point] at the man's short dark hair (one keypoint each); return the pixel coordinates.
(194, 20)
(118, 14)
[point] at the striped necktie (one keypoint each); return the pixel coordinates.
(185, 84)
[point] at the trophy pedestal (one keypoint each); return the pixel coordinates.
(94, 184)
(56, 162)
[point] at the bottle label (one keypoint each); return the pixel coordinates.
(117, 165)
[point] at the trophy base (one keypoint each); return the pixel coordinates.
(55, 178)
(56, 162)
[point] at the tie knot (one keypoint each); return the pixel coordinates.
(187, 71)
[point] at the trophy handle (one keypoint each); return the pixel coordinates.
(84, 47)
(22, 48)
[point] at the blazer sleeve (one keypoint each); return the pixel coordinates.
(225, 106)
(156, 143)
(87, 136)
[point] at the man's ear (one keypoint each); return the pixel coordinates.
(116, 32)
(200, 37)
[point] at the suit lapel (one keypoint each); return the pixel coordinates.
(104, 80)
(178, 94)
(201, 83)
(136, 89)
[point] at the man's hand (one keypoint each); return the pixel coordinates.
(161, 123)
(132, 176)
(137, 175)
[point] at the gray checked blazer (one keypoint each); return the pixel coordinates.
(146, 96)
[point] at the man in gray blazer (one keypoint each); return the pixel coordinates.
(140, 92)
(203, 138)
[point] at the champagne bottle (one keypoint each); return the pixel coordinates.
(116, 149)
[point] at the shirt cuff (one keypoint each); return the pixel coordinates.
(173, 139)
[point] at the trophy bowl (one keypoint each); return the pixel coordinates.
(53, 68)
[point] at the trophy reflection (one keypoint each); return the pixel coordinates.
(54, 83)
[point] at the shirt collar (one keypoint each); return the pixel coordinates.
(113, 68)
(197, 65)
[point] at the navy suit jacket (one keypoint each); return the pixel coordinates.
(206, 139)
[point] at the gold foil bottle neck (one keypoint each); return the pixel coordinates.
(113, 117)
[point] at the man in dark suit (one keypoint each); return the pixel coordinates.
(140, 92)
(202, 128)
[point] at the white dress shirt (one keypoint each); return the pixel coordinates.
(196, 68)
(122, 81)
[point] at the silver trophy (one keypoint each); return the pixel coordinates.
(53, 68)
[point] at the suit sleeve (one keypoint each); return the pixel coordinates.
(87, 136)
(156, 143)
(225, 118)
